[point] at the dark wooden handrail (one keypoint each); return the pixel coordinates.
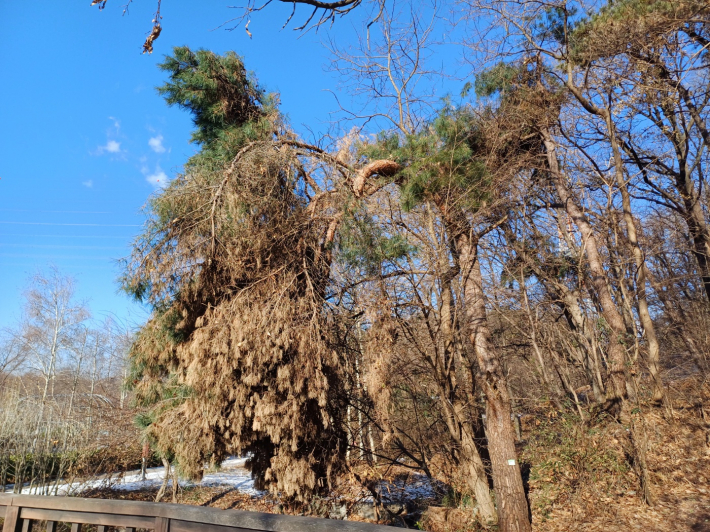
(20, 511)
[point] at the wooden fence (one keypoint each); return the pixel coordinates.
(21, 511)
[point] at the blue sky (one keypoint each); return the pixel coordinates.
(85, 139)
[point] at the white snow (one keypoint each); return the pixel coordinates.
(415, 487)
(231, 474)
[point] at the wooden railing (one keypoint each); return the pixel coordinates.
(21, 511)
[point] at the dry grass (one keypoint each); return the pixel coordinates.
(579, 478)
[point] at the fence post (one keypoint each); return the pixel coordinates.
(162, 524)
(12, 519)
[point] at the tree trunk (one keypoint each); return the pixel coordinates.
(358, 379)
(553, 391)
(698, 229)
(513, 513)
(693, 211)
(145, 455)
(476, 477)
(649, 328)
(176, 485)
(166, 478)
(616, 354)
(443, 365)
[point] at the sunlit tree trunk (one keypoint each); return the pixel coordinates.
(513, 513)
(616, 392)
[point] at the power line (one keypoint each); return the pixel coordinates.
(61, 236)
(55, 257)
(85, 225)
(96, 267)
(56, 246)
(61, 212)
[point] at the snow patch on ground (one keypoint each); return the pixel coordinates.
(231, 474)
(414, 487)
(417, 486)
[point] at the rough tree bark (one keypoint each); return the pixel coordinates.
(616, 350)
(459, 427)
(513, 513)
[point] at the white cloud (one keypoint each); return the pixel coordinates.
(88, 184)
(111, 147)
(158, 179)
(156, 144)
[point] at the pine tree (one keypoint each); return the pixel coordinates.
(462, 164)
(237, 357)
